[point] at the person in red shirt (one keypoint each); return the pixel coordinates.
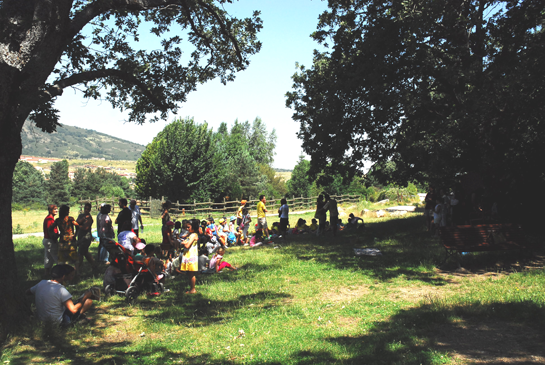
(51, 245)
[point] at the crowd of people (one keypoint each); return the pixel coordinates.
(188, 246)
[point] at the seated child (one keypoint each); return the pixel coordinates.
(314, 226)
(353, 221)
(155, 266)
(302, 226)
(217, 261)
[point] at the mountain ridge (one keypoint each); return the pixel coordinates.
(77, 143)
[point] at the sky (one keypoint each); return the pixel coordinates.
(258, 91)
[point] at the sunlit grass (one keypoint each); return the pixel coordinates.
(309, 301)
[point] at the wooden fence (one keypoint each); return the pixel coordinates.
(152, 207)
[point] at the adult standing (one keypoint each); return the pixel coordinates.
(68, 253)
(51, 246)
(136, 217)
(165, 216)
(429, 208)
(262, 215)
(124, 216)
(331, 206)
(284, 216)
(105, 231)
(320, 214)
(85, 237)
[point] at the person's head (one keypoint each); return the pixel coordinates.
(300, 221)
(232, 218)
(64, 210)
(52, 209)
(245, 211)
(283, 201)
(87, 208)
(133, 203)
(314, 221)
(243, 202)
(140, 246)
(149, 249)
(122, 203)
(320, 198)
(262, 198)
(169, 224)
(178, 225)
(351, 215)
(135, 241)
(327, 198)
(166, 205)
(210, 220)
(221, 221)
(221, 251)
(192, 225)
(62, 273)
(204, 223)
(105, 208)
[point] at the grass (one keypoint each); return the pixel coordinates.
(310, 302)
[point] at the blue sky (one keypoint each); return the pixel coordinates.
(257, 92)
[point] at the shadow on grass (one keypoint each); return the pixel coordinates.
(408, 251)
(434, 334)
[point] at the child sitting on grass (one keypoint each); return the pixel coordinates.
(217, 261)
(314, 226)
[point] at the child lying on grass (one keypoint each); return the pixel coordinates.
(217, 261)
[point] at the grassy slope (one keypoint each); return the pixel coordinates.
(309, 302)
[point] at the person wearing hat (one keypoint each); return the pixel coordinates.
(54, 303)
(167, 245)
(223, 231)
(136, 217)
(233, 235)
(239, 212)
(139, 251)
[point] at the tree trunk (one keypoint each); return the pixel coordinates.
(13, 308)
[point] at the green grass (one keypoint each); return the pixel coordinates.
(309, 302)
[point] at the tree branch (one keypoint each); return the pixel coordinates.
(57, 88)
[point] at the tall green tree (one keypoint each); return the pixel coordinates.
(181, 163)
(59, 184)
(261, 143)
(441, 88)
(28, 184)
(299, 183)
(94, 45)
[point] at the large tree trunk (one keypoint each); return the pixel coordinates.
(12, 304)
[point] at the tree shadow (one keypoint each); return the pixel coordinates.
(493, 333)
(408, 251)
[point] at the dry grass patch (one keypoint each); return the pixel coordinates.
(346, 294)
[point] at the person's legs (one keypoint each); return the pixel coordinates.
(50, 255)
(224, 264)
(334, 222)
(192, 281)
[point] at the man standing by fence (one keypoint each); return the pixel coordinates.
(262, 215)
(124, 216)
(135, 210)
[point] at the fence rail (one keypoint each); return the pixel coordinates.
(152, 207)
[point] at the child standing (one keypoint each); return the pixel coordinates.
(190, 259)
(217, 261)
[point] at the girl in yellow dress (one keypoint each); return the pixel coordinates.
(190, 258)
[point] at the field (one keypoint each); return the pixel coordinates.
(309, 300)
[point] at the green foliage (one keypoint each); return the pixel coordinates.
(88, 183)
(181, 163)
(274, 185)
(299, 184)
(59, 184)
(438, 89)
(28, 185)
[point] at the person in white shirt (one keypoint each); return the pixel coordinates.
(136, 217)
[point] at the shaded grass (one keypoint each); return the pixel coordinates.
(309, 302)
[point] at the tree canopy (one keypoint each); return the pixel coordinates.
(441, 88)
(98, 47)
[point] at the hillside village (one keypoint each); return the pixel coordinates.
(43, 164)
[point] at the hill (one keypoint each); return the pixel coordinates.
(77, 143)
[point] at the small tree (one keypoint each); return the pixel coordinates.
(59, 183)
(299, 184)
(28, 184)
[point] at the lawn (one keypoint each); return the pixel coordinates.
(311, 301)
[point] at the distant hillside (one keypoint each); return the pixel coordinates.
(77, 143)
